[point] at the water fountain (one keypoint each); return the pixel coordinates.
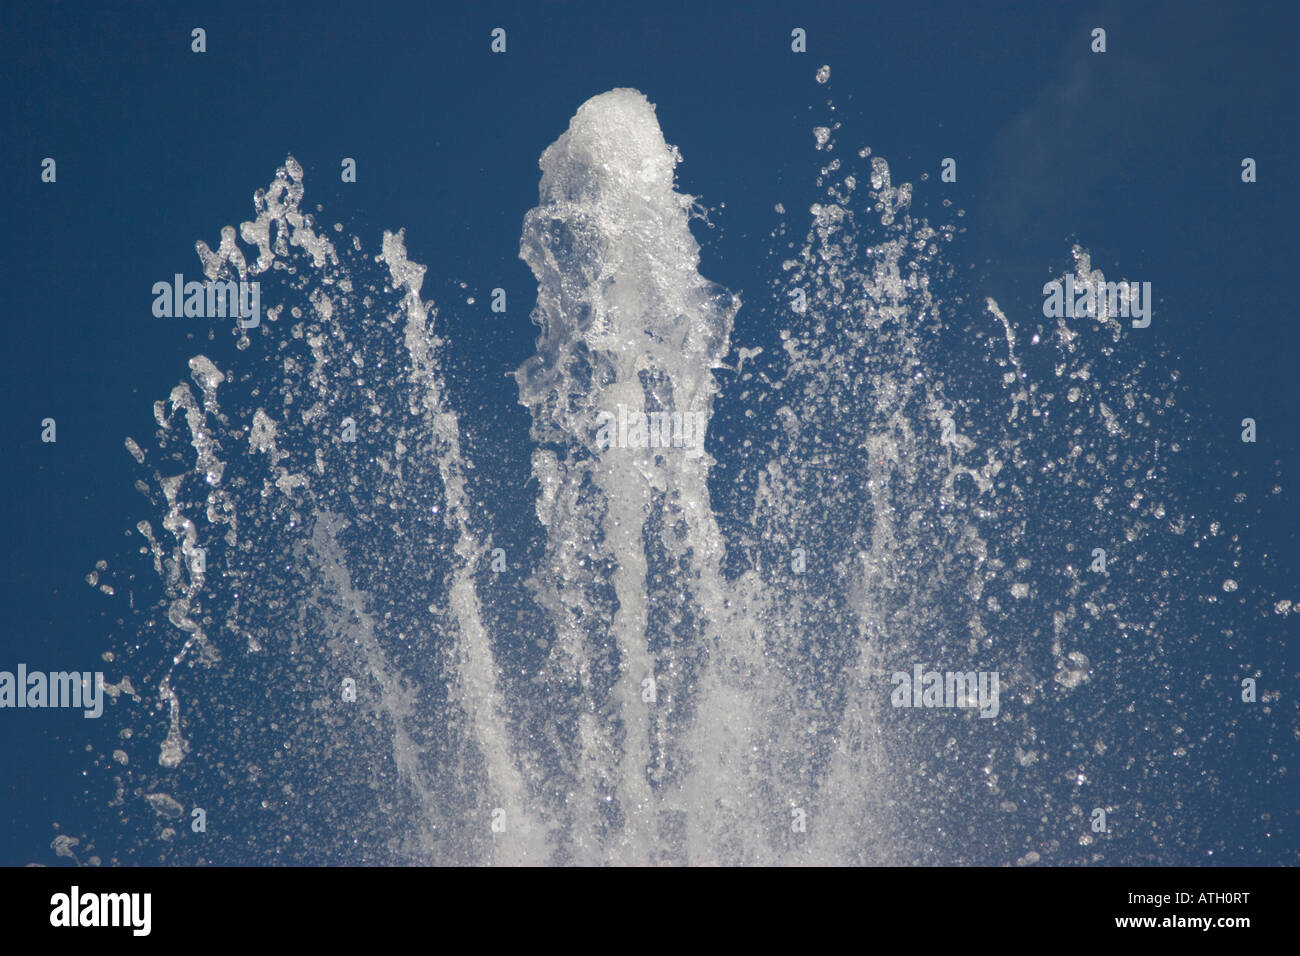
(344, 664)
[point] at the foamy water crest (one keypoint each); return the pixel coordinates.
(348, 662)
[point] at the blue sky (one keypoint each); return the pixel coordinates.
(1135, 154)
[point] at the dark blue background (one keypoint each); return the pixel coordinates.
(1135, 154)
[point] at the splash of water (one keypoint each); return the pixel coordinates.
(695, 669)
